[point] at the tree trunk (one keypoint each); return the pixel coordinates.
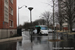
(70, 26)
(60, 26)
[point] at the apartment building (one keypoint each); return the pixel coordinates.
(8, 17)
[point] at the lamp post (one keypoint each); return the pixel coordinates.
(19, 29)
(18, 12)
(30, 8)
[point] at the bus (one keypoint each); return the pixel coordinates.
(43, 29)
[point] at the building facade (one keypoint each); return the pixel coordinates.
(8, 16)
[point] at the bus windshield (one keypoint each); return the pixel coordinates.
(44, 28)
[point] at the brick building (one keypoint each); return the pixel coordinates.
(8, 16)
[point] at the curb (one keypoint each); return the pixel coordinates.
(13, 39)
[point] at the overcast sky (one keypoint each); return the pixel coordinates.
(39, 6)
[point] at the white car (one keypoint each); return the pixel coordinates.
(73, 29)
(45, 31)
(50, 30)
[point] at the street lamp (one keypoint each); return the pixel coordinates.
(18, 12)
(30, 8)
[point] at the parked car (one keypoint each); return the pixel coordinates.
(73, 29)
(50, 30)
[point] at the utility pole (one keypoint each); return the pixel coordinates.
(53, 23)
(18, 13)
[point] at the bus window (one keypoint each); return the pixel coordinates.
(44, 28)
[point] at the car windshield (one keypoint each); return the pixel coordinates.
(44, 28)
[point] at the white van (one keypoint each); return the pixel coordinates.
(43, 29)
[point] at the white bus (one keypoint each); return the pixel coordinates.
(43, 29)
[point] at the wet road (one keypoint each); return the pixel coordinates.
(42, 43)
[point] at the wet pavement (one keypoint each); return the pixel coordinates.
(43, 43)
(8, 46)
(39, 43)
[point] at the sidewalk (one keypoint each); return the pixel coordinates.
(13, 39)
(66, 32)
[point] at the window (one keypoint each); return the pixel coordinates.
(6, 1)
(6, 15)
(11, 23)
(11, 1)
(6, 9)
(44, 28)
(11, 11)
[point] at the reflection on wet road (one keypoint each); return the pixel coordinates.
(42, 43)
(39, 43)
(8, 46)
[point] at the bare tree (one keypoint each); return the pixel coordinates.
(66, 15)
(60, 15)
(70, 12)
(46, 16)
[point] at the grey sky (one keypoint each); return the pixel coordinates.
(39, 6)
